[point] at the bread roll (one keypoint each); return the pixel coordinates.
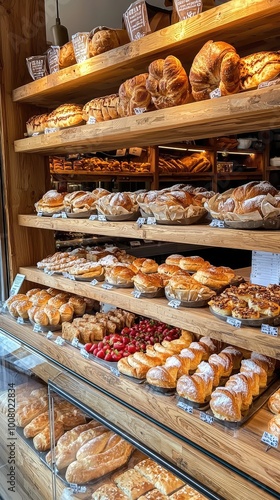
(147, 266)
(78, 305)
(217, 65)
(153, 495)
(259, 67)
(274, 426)
(191, 264)
(37, 425)
(53, 315)
(66, 55)
(119, 275)
(66, 312)
(252, 189)
(187, 493)
(168, 83)
(274, 402)
(150, 283)
(108, 491)
(23, 307)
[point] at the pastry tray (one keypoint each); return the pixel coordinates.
(80, 278)
(270, 223)
(46, 328)
(80, 215)
(123, 217)
(150, 295)
(266, 320)
(181, 222)
(189, 303)
(120, 285)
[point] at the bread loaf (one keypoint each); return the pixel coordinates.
(93, 467)
(133, 484)
(37, 124)
(108, 491)
(37, 425)
(168, 83)
(42, 440)
(161, 478)
(134, 94)
(94, 446)
(66, 115)
(66, 55)
(30, 411)
(217, 65)
(153, 495)
(259, 67)
(107, 39)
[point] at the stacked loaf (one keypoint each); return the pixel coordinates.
(196, 162)
(66, 115)
(96, 164)
(48, 307)
(75, 202)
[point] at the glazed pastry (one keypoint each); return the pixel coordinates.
(133, 94)
(147, 283)
(146, 266)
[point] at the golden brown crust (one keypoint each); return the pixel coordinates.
(259, 67)
(167, 269)
(133, 484)
(119, 275)
(146, 266)
(37, 124)
(134, 94)
(147, 282)
(192, 263)
(226, 404)
(274, 426)
(66, 115)
(67, 55)
(161, 478)
(174, 259)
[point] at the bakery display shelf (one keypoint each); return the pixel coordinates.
(199, 321)
(87, 175)
(233, 114)
(197, 234)
(239, 175)
(185, 175)
(242, 448)
(103, 74)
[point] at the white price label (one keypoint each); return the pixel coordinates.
(136, 294)
(140, 221)
(121, 152)
(46, 271)
(102, 218)
(37, 328)
(51, 130)
(20, 321)
(215, 93)
(94, 282)
(35, 133)
(268, 83)
(135, 243)
(269, 330)
(64, 215)
(151, 221)
(84, 353)
(69, 276)
(77, 489)
(234, 322)
(16, 286)
(270, 440)
(93, 217)
(40, 214)
(107, 286)
(217, 223)
(139, 111)
(56, 216)
(91, 120)
(206, 418)
(75, 342)
(174, 303)
(135, 151)
(115, 371)
(185, 407)
(59, 341)
(49, 334)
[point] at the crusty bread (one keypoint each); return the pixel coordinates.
(147, 282)
(133, 484)
(119, 275)
(66, 115)
(153, 495)
(168, 83)
(134, 94)
(42, 440)
(108, 491)
(107, 39)
(37, 124)
(161, 478)
(37, 425)
(217, 65)
(25, 414)
(66, 55)
(259, 67)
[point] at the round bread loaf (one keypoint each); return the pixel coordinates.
(167, 269)
(119, 275)
(252, 189)
(147, 266)
(192, 263)
(173, 260)
(134, 94)
(147, 282)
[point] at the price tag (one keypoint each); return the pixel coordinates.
(135, 243)
(174, 303)
(270, 440)
(102, 218)
(16, 286)
(77, 489)
(135, 151)
(49, 334)
(46, 271)
(215, 93)
(206, 418)
(234, 322)
(140, 221)
(94, 282)
(115, 371)
(35, 133)
(91, 120)
(20, 321)
(269, 330)
(69, 276)
(139, 111)
(75, 342)
(268, 83)
(93, 217)
(51, 130)
(56, 216)
(217, 223)
(37, 328)
(59, 341)
(64, 215)
(121, 152)
(151, 221)
(84, 353)
(136, 294)
(185, 407)
(40, 214)
(107, 286)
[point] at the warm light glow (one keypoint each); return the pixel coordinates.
(182, 149)
(226, 153)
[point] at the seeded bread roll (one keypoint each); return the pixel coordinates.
(133, 484)
(109, 491)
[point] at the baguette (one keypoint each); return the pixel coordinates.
(42, 441)
(93, 446)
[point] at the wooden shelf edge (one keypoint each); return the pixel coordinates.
(163, 410)
(193, 234)
(199, 321)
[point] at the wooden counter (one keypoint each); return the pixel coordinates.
(226, 444)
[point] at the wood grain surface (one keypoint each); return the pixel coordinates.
(242, 447)
(249, 25)
(198, 234)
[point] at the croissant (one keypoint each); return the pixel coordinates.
(162, 376)
(214, 371)
(195, 357)
(217, 65)
(223, 361)
(241, 384)
(274, 402)
(225, 404)
(248, 365)
(168, 83)
(195, 387)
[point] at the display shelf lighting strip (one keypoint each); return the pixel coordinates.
(182, 149)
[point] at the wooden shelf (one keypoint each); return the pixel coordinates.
(103, 74)
(164, 410)
(243, 112)
(193, 234)
(199, 321)
(101, 175)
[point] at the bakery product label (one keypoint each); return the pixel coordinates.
(37, 66)
(81, 46)
(136, 20)
(53, 58)
(188, 8)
